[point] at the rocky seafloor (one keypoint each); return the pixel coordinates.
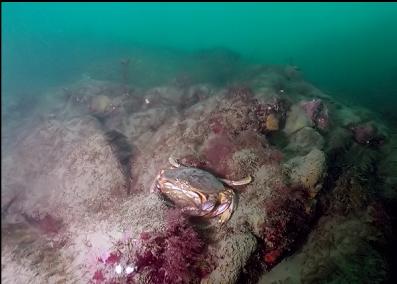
(77, 172)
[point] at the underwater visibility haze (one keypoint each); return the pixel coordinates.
(199, 142)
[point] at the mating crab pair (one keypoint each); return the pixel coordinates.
(197, 192)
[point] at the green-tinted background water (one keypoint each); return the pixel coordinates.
(348, 50)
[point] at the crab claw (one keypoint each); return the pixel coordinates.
(228, 204)
(243, 181)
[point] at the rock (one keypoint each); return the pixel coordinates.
(367, 134)
(100, 104)
(233, 253)
(338, 138)
(292, 72)
(269, 79)
(388, 169)
(147, 121)
(63, 165)
(347, 116)
(28, 257)
(304, 140)
(272, 123)
(317, 111)
(296, 120)
(271, 113)
(66, 180)
(194, 95)
(287, 271)
(163, 96)
(350, 245)
(340, 249)
(307, 170)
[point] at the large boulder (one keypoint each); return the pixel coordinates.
(63, 165)
(304, 140)
(296, 120)
(308, 170)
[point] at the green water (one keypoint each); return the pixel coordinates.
(348, 50)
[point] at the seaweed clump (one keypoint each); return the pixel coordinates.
(174, 255)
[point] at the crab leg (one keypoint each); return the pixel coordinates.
(192, 211)
(153, 187)
(174, 162)
(243, 181)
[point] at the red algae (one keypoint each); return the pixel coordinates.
(174, 255)
(287, 219)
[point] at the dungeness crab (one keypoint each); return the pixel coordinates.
(197, 192)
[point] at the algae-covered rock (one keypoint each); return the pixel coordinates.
(304, 140)
(232, 253)
(346, 116)
(63, 165)
(340, 249)
(307, 170)
(296, 120)
(100, 104)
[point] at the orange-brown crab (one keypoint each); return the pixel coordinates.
(197, 192)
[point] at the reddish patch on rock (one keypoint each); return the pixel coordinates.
(218, 152)
(271, 257)
(259, 145)
(194, 161)
(276, 156)
(378, 215)
(174, 255)
(287, 220)
(112, 259)
(250, 139)
(48, 224)
(311, 108)
(317, 112)
(145, 236)
(367, 134)
(216, 125)
(98, 276)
